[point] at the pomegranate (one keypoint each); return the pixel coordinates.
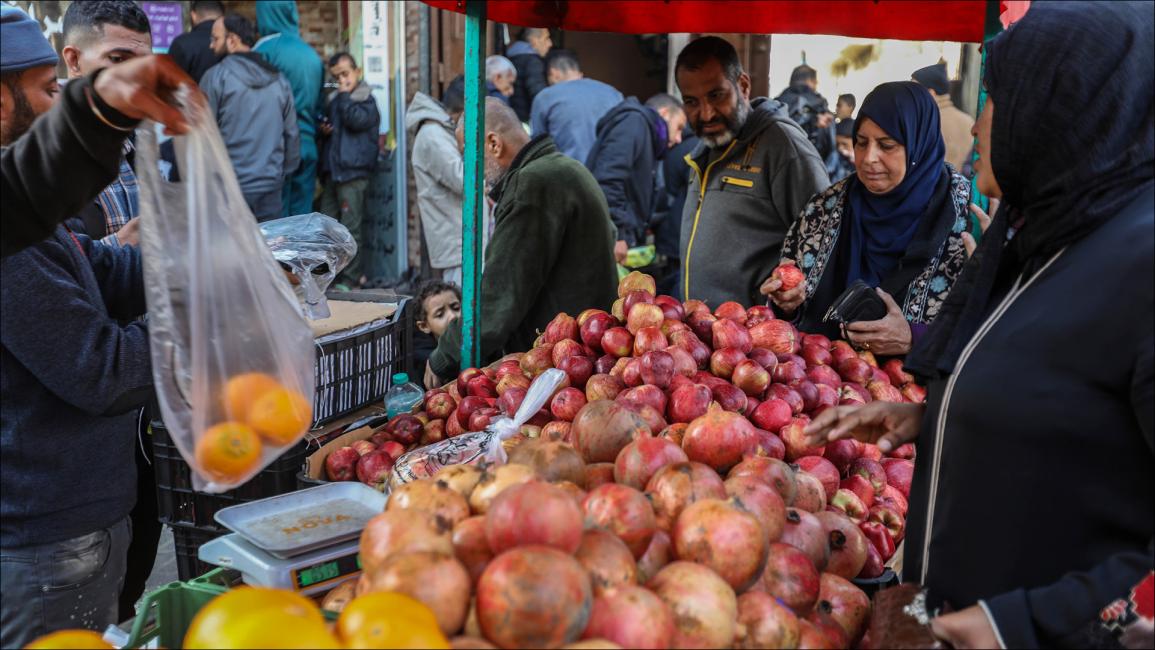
(493, 483)
(598, 474)
(631, 617)
(724, 360)
(677, 485)
(460, 478)
(601, 429)
(603, 387)
(772, 415)
(658, 554)
(794, 436)
(471, 547)
(763, 622)
(533, 513)
(772, 472)
(533, 597)
(373, 468)
(341, 464)
(623, 511)
(566, 403)
(762, 501)
(642, 458)
(791, 577)
(804, 532)
(688, 402)
(850, 607)
(722, 535)
(432, 496)
(438, 580)
(551, 461)
(719, 439)
(402, 531)
(847, 545)
(705, 608)
(775, 335)
(674, 432)
(576, 493)
(827, 633)
(608, 560)
(823, 470)
(730, 397)
(811, 495)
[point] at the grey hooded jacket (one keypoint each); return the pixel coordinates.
(439, 173)
(740, 202)
(253, 104)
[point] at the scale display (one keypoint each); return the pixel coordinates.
(322, 572)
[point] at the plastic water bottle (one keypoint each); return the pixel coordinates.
(403, 397)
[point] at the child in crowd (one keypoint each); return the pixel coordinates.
(438, 304)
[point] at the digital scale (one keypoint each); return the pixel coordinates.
(305, 541)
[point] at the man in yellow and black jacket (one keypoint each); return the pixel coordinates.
(751, 175)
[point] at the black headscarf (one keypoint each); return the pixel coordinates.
(1072, 145)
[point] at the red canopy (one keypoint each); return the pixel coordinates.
(938, 20)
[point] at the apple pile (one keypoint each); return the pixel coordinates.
(371, 460)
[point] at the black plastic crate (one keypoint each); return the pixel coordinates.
(179, 504)
(187, 541)
(354, 371)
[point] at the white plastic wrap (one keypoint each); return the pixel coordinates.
(479, 446)
(315, 248)
(232, 356)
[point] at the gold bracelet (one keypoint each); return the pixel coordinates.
(88, 93)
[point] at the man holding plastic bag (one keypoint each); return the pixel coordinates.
(72, 374)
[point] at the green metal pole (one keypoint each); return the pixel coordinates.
(472, 220)
(992, 27)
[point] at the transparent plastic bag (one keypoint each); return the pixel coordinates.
(314, 248)
(232, 355)
(479, 446)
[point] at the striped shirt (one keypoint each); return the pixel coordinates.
(120, 201)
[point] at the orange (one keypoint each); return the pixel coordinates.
(228, 451)
(281, 415)
(242, 390)
(69, 639)
(389, 620)
(258, 617)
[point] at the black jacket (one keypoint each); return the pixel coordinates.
(192, 52)
(623, 161)
(1041, 443)
(35, 197)
(676, 176)
(350, 151)
(530, 78)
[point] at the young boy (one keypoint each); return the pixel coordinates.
(438, 304)
(348, 155)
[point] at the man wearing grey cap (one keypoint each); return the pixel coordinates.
(956, 125)
(73, 372)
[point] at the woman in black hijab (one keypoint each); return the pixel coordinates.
(1030, 512)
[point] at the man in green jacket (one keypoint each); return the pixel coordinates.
(551, 249)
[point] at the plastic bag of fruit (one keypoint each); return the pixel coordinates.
(314, 248)
(232, 355)
(479, 446)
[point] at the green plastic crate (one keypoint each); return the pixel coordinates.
(164, 615)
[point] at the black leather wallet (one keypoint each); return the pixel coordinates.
(860, 302)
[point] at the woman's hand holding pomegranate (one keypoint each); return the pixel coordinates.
(888, 336)
(787, 300)
(886, 424)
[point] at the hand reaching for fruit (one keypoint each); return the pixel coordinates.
(887, 424)
(786, 286)
(967, 628)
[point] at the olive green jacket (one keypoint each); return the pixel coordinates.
(551, 251)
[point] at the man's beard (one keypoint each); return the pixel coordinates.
(733, 126)
(22, 117)
(493, 172)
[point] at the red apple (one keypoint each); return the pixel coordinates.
(684, 364)
(618, 341)
(824, 375)
(775, 335)
(794, 437)
(695, 306)
(823, 470)
(603, 386)
(688, 402)
(731, 310)
(758, 314)
(872, 471)
(644, 315)
(632, 374)
(860, 486)
(769, 445)
(905, 451)
(899, 473)
(565, 348)
(566, 404)
(649, 339)
(393, 448)
(727, 333)
(562, 327)
(341, 464)
(702, 323)
(468, 406)
(657, 368)
(730, 397)
(816, 339)
(636, 281)
(586, 314)
(373, 468)
(879, 537)
(594, 328)
(913, 393)
(841, 453)
(889, 518)
(789, 373)
(463, 379)
(440, 405)
(816, 355)
(724, 360)
(605, 364)
(764, 357)
(786, 394)
(634, 298)
(789, 275)
(849, 504)
(578, 368)
(481, 386)
(671, 308)
(893, 499)
(751, 377)
(481, 419)
(772, 415)
(645, 394)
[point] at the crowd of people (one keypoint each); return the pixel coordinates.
(727, 187)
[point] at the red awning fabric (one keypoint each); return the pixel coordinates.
(937, 20)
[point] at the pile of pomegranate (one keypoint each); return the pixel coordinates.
(664, 498)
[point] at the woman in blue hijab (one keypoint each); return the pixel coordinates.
(896, 224)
